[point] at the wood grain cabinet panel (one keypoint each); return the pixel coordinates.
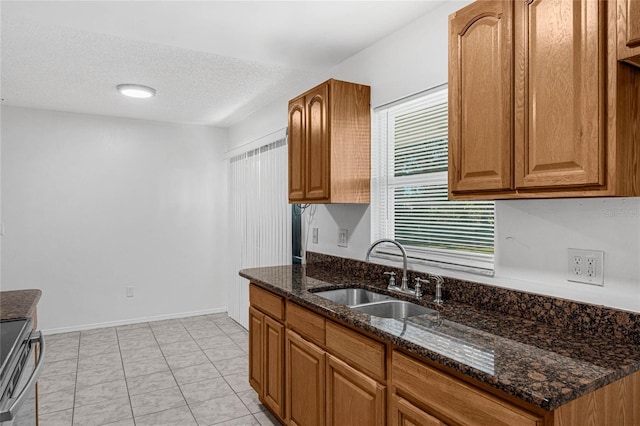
(305, 392)
(330, 144)
(539, 105)
(317, 145)
(267, 349)
(256, 320)
(453, 400)
(273, 364)
(309, 325)
(403, 413)
(629, 31)
(358, 350)
(353, 398)
(296, 151)
(560, 119)
(481, 82)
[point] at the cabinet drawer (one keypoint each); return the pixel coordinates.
(267, 302)
(306, 323)
(453, 399)
(360, 351)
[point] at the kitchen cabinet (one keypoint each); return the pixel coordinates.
(538, 104)
(305, 368)
(403, 413)
(329, 382)
(629, 31)
(480, 150)
(450, 400)
(329, 144)
(337, 375)
(353, 398)
(266, 349)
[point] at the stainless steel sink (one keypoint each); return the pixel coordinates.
(376, 304)
(397, 309)
(353, 296)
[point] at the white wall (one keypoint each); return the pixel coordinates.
(532, 237)
(93, 204)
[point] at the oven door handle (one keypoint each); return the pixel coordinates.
(36, 336)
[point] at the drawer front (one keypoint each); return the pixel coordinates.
(453, 399)
(306, 323)
(267, 302)
(360, 351)
(403, 413)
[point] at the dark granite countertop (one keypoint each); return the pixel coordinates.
(18, 303)
(542, 364)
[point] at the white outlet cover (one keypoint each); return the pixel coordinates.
(343, 237)
(585, 266)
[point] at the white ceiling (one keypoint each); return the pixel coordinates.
(211, 62)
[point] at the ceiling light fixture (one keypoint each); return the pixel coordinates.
(136, 90)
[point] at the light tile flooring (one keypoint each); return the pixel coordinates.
(181, 372)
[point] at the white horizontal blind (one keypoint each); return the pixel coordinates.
(409, 182)
(260, 218)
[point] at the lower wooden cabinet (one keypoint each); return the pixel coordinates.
(266, 360)
(305, 385)
(273, 364)
(353, 398)
(316, 372)
(453, 400)
(256, 319)
(404, 413)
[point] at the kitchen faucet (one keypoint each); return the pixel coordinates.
(404, 287)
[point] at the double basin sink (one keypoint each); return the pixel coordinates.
(376, 304)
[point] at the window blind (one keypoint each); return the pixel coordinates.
(410, 195)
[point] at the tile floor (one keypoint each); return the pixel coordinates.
(181, 372)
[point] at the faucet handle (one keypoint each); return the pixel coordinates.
(418, 286)
(438, 279)
(392, 279)
(439, 283)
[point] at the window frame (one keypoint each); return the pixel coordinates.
(384, 182)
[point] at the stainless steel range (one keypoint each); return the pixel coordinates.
(18, 371)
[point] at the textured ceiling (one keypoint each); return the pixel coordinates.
(212, 62)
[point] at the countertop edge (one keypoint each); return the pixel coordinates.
(18, 303)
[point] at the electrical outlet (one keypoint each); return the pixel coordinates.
(129, 291)
(586, 266)
(343, 235)
(315, 236)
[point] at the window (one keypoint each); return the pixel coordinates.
(409, 189)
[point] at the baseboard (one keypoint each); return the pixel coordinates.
(131, 321)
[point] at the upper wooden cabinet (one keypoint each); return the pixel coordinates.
(480, 150)
(629, 31)
(539, 106)
(330, 144)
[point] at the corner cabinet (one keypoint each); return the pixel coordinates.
(330, 144)
(539, 106)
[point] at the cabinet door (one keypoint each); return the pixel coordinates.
(256, 319)
(629, 31)
(296, 148)
(403, 413)
(353, 398)
(317, 144)
(560, 114)
(273, 364)
(305, 382)
(481, 97)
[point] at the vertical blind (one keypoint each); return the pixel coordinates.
(410, 195)
(260, 217)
